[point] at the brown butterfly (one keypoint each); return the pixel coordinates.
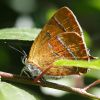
(61, 37)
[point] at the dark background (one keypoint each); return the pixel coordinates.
(37, 13)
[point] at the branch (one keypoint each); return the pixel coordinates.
(92, 84)
(25, 80)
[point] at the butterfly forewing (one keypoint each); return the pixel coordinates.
(60, 38)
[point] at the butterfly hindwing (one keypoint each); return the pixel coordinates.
(61, 37)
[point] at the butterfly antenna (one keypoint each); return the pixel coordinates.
(21, 52)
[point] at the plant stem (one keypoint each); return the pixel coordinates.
(25, 80)
(92, 84)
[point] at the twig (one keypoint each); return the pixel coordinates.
(92, 84)
(26, 80)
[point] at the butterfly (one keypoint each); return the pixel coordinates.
(61, 38)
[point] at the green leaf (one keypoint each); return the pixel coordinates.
(10, 92)
(19, 34)
(93, 64)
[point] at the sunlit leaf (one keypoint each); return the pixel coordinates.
(19, 34)
(94, 64)
(11, 92)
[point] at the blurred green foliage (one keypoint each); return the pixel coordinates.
(40, 11)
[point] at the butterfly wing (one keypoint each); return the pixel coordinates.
(54, 43)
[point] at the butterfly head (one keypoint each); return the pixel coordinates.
(29, 69)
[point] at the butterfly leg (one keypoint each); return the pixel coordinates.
(34, 73)
(25, 71)
(41, 75)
